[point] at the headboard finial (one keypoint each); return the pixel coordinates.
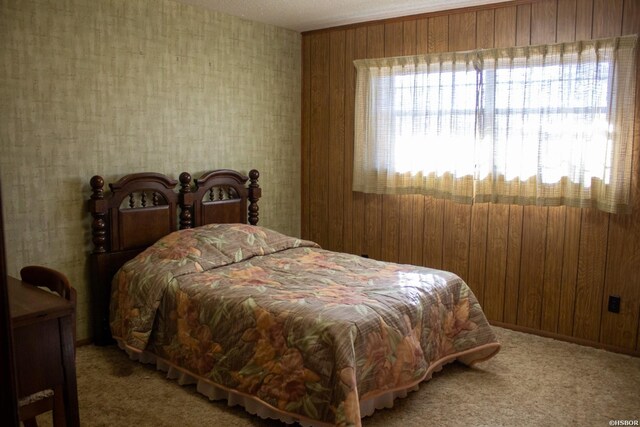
(186, 202)
(255, 192)
(98, 212)
(97, 187)
(185, 182)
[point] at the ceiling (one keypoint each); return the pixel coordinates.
(306, 15)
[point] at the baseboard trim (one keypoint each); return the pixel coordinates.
(560, 337)
(85, 341)
(517, 328)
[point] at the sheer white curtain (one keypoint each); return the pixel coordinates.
(544, 125)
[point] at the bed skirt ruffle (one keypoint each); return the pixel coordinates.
(255, 406)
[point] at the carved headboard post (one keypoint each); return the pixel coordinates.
(255, 192)
(98, 210)
(124, 224)
(186, 201)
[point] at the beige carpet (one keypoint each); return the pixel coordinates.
(533, 381)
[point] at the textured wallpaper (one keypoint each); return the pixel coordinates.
(112, 87)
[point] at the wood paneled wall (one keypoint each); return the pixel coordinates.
(542, 269)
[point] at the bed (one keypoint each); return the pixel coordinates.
(187, 280)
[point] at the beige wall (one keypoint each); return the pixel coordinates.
(112, 87)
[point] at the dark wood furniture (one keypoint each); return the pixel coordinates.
(141, 208)
(44, 350)
(53, 280)
(8, 395)
(56, 282)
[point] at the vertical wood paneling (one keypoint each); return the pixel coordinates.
(433, 232)
(437, 41)
(590, 280)
(358, 223)
(305, 145)
(496, 267)
(418, 218)
(484, 33)
(455, 241)
(607, 18)
(514, 254)
(622, 278)
(572, 230)
(516, 213)
(422, 36)
(462, 31)
(543, 21)
(409, 37)
(566, 318)
(438, 34)
(335, 170)
(552, 280)
(584, 19)
(318, 138)
(546, 268)
(391, 204)
(485, 24)
(457, 224)
(638, 335)
(523, 25)
(409, 229)
(349, 101)
(358, 244)
(478, 250)
(373, 202)
(506, 25)
(607, 22)
(534, 235)
(566, 25)
(630, 25)
(623, 257)
(568, 28)
(499, 238)
(544, 16)
(631, 17)
(417, 228)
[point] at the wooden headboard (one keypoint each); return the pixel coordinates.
(141, 208)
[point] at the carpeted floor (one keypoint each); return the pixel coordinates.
(533, 381)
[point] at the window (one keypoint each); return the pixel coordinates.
(544, 125)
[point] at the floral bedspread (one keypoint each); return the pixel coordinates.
(309, 332)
